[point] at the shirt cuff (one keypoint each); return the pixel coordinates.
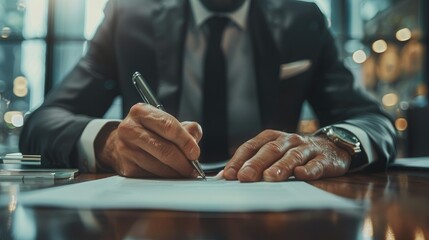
(365, 143)
(85, 145)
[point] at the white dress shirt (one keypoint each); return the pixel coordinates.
(242, 96)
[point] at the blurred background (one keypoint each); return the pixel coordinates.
(383, 42)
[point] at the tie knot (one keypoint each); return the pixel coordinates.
(216, 26)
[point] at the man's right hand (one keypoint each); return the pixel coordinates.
(149, 143)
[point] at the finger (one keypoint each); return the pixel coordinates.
(246, 151)
(284, 168)
(268, 154)
(196, 132)
(165, 151)
(314, 169)
(157, 168)
(132, 170)
(167, 127)
(194, 129)
(134, 162)
(326, 165)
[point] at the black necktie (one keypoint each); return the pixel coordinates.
(215, 129)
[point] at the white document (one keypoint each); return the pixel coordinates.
(189, 195)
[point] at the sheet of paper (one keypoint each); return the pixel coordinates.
(189, 195)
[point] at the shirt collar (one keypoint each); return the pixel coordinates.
(201, 14)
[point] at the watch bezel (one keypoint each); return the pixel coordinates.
(343, 139)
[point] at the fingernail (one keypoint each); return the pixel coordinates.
(279, 172)
(248, 172)
(273, 174)
(230, 173)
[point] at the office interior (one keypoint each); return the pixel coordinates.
(381, 41)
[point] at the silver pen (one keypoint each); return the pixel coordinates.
(149, 98)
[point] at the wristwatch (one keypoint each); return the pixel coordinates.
(342, 138)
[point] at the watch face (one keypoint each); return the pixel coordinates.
(343, 134)
(343, 139)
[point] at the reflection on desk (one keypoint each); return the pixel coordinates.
(398, 209)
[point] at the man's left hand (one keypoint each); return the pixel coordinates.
(275, 156)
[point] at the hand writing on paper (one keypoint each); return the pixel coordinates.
(150, 143)
(275, 156)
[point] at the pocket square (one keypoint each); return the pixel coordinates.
(289, 70)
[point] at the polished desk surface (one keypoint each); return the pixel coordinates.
(397, 200)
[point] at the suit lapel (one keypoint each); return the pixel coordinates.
(170, 24)
(267, 63)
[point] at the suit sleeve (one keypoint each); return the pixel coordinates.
(337, 98)
(85, 94)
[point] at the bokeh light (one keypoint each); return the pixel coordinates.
(403, 34)
(401, 124)
(17, 120)
(5, 32)
(359, 56)
(13, 119)
(20, 88)
(390, 99)
(379, 46)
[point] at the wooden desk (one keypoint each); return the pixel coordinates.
(398, 208)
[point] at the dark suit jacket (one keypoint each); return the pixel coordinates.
(148, 36)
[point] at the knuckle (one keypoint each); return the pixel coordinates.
(296, 155)
(270, 133)
(249, 146)
(168, 125)
(137, 109)
(274, 148)
(154, 142)
(296, 138)
(257, 165)
(266, 132)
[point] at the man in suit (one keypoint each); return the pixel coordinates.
(274, 55)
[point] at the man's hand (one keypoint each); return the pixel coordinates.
(275, 156)
(150, 143)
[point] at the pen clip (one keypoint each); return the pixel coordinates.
(145, 92)
(145, 100)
